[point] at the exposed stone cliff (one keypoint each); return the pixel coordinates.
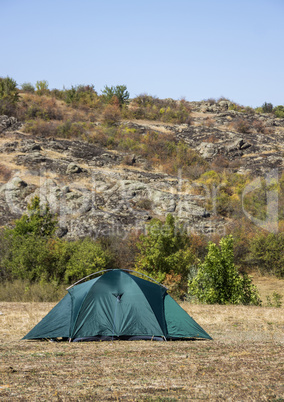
(95, 193)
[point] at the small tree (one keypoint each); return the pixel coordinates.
(39, 220)
(267, 253)
(165, 254)
(29, 253)
(86, 257)
(28, 87)
(120, 91)
(9, 96)
(267, 107)
(42, 87)
(218, 280)
(279, 111)
(30, 258)
(8, 89)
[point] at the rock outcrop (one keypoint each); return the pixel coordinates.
(95, 193)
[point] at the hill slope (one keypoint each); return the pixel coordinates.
(103, 182)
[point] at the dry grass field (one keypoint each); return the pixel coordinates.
(244, 362)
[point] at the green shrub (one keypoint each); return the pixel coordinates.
(30, 257)
(267, 107)
(42, 87)
(279, 111)
(218, 281)
(258, 109)
(166, 110)
(118, 91)
(267, 253)
(38, 220)
(8, 89)
(165, 254)
(28, 87)
(71, 130)
(86, 257)
(275, 300)
(9, 96)
(81, 96)
(29, 254)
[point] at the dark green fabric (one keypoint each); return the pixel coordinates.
(119, 308)
(55, 324)
(154, 294)
(117, 304)
(78, 294)
(179, 323)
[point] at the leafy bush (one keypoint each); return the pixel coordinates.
(279, 111)
(8, 107)
(165, 254)
(71, 130)
(86, 258)
(81, 96)
(218, 280)
(267, 253)
(9, 96)
(118, 91)
(30, 257)
(42, 87)
(267, 107)
(8, 89)
(39, 221)
(28, 87)
(222, 191)
(28, 254)
(167, 110)
(31, 252)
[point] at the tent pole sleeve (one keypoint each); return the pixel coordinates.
(94, 273)
(105, 270)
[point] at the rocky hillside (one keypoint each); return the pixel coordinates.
(98, 191)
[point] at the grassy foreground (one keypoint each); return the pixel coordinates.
(245, 362)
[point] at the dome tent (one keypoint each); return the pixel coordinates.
(117, 305)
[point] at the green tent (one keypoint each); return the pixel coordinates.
(117, 305)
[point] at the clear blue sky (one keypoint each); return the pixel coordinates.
(183, 48)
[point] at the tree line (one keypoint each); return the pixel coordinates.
(32, 252)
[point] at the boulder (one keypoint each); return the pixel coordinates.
(207, 150)
(73, 168)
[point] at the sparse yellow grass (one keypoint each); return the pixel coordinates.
(244, 362)
(267, 285)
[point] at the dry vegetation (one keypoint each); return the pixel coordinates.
(244, 362)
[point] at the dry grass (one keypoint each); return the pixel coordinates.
(266, 285)
(243, 363)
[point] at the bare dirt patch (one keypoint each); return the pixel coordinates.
(244, 362)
